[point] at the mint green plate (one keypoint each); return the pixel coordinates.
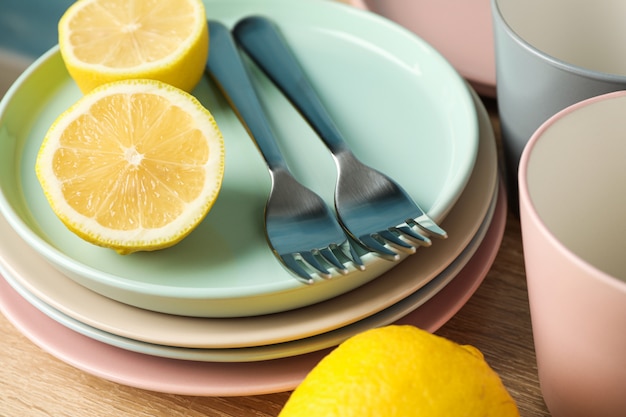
(402, 107)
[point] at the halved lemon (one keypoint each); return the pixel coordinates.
(133, 165)
(108, 40)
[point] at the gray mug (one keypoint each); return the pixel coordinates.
(549, 55)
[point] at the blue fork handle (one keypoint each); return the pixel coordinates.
(228, 70)
(264, 43)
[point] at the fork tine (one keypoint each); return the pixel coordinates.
(346, 254)
(412, 234)
(355, 258)
(375, 246)
(331, 257)
(294, 266)
(426, 223)
(312, 260)
(391, 237)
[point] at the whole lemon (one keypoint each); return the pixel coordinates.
(403, 371)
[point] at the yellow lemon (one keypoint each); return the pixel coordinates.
(401, 371)
(133, 165)
(108, 40)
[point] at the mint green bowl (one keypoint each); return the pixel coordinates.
(404, 109)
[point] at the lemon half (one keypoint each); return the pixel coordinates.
(108, 40)
(133, 165)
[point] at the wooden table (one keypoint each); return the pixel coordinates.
(496, 320)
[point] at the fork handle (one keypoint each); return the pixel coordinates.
(229, 72)
(264, 43)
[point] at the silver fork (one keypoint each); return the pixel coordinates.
(373, 208)
(298, 223)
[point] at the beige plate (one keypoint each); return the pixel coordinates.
(75, 301)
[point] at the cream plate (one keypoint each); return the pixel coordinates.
(402, 106)
(277, 350)
(226, 379)
(77, 302)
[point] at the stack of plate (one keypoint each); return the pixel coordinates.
(217, 314)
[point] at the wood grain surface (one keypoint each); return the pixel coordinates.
(496, 320)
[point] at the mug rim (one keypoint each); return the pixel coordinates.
(527, 206)
(604, 76)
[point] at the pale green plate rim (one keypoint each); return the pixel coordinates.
(443, 109)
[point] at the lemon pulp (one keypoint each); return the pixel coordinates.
(107, 40)
(133, 165)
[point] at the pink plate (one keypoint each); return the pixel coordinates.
(228, 379)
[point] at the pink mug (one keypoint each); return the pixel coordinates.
(572, 196)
